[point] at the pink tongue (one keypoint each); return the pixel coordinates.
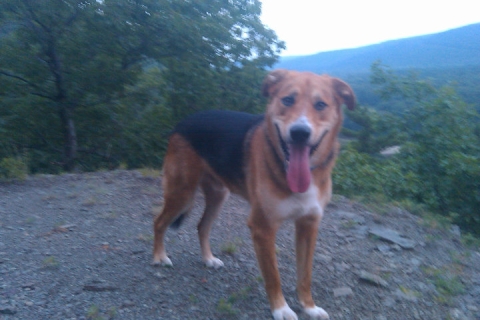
(298, 171)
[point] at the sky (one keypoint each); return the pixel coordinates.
(312, 26)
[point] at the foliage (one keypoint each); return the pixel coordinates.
(88, 85)
(439, 163)
(376, 130)
(13, 168)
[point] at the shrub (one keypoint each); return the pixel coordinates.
(13, 168)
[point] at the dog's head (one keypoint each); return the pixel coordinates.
(304, 114)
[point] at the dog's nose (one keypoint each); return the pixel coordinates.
(299, 133)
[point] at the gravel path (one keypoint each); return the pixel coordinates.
(78, 246)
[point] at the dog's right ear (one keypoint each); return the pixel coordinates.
(271, 80)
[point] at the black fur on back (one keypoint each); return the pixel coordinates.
(218, 136)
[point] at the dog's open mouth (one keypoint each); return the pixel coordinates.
(297, 163)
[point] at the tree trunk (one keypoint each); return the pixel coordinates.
(70, 139)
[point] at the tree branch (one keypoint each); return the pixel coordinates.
(29, 83)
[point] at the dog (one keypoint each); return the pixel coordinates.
(280, 162)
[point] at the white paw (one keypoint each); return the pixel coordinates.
(165, 262)
(214, 263)
(284, 313)
(317, 313)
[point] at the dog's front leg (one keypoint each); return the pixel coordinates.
(306, 229)
(263, 235)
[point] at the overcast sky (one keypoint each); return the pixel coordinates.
(311, 26)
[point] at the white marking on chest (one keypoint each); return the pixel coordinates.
(300, 204)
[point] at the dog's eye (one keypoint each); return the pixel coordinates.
(320, 105)
(288, 101)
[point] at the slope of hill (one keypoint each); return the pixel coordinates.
(453, 48)
(78, 246)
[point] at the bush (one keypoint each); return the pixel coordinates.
(13, 168)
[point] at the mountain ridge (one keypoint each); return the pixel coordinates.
(458, 47)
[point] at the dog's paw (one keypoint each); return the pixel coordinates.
(214, 263)
(165, 262)
(284, 313)
(317, 313)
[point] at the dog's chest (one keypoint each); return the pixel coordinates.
(300, 204)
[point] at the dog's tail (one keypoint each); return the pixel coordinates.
(178, 221)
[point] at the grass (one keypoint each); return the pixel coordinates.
(145, 237)
(93, 313)
(348, 224)
(230, 247)
(110, 215)
(49, 197)
(90, 202)
(150, 172)
(470, 240)
(30, 220)
(193, 299)
(409, 292)
(13, 168)
(435, 221)
(447, 282)
(224, 307)
(50, 263)
(239, 295)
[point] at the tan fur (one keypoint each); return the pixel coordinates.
(265, 185)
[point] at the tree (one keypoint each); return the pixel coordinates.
(443, 148)
(70, 63)
(377, 130)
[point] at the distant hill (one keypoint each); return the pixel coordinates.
(453, 48)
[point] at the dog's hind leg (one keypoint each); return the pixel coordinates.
(182, 169)
(215, 195)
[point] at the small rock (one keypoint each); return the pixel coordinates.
(372, 279)
(383, 248)
(29, 286)
(455, 230)
(159, 275)
(342, 291)
(396, 247)
(392, 236)
(473, 308)
(127, 304)
(415, 262)
(324, 258)
(341, 267)
(456, 314)
(389, 302)
(7, 310)
(406, 295)
(351, 216)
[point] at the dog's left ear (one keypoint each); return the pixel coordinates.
(345, 93)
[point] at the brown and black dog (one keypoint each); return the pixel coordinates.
(281, 162)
